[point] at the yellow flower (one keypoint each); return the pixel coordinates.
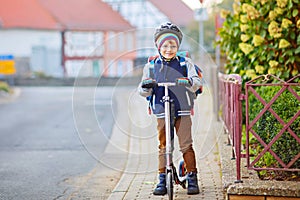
(245, 37)
(272, 15)
(244, 19)
(259, 69)
(286, 23)
(255, 1)
(263, 2)
(274, 29)
(251, 73)
(283, 44)
(245, 7)
(252, 13)
(246, 48)
(242, 72)
(298, 24)
(273, 63)
(258, 40)
(224, 13)
(271, 71)
(244, 27)
(295, 72)
(236, 9)
(281, 3)
(278, 11)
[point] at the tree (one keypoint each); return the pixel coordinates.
(262, 37)
(192, 30)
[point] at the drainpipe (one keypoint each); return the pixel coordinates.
(63, 56)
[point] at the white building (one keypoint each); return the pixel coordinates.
(66, 38)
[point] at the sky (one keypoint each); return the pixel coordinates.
(194, 4)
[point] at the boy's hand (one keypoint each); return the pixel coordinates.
(184, 81)
(148, 83)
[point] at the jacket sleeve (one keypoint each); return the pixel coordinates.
(145, 92)
(192, 75)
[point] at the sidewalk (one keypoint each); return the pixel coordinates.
(139, 177)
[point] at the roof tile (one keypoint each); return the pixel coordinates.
(60, 15)
(177, 11)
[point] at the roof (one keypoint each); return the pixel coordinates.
(25, 14)
(86, 14)
(61, 15)
(176, 10)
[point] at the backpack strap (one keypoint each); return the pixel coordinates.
(152, 58)
(183, 54)
(152, 61)
(182, 62)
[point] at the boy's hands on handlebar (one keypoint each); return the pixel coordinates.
(184, 81)
(149, 83)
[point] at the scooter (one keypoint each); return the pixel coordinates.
(171, 173)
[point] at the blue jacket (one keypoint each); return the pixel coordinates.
(182, 97)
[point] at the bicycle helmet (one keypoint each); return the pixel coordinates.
(168, 28)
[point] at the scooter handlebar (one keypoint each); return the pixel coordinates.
(167, 84)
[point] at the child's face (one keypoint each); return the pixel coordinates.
(169, 49)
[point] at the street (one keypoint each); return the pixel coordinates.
(50, 136)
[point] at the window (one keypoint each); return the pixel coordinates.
(111, 41)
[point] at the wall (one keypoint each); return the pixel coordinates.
(19, 42)
(34, 50)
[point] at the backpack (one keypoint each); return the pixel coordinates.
(182, 55)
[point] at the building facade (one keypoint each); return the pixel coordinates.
(89, 40)
(146, 15)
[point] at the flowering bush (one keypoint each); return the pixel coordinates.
(262, 37)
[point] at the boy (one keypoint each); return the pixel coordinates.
(167, 68)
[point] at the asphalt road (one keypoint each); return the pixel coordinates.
(49, 135)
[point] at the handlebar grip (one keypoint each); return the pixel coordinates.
(149, 83)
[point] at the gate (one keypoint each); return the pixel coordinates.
(265, 128)
(279, 131)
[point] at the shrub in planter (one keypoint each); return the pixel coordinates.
(267, 127)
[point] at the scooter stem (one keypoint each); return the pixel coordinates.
(166, 99)
(168, 129)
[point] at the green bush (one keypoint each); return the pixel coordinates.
(4, 87)
(267, 127)
(262, 37)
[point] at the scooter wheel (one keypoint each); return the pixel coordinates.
(182, 170)
(170, 185)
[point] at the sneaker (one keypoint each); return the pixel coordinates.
(192, 180)
(161, 188)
